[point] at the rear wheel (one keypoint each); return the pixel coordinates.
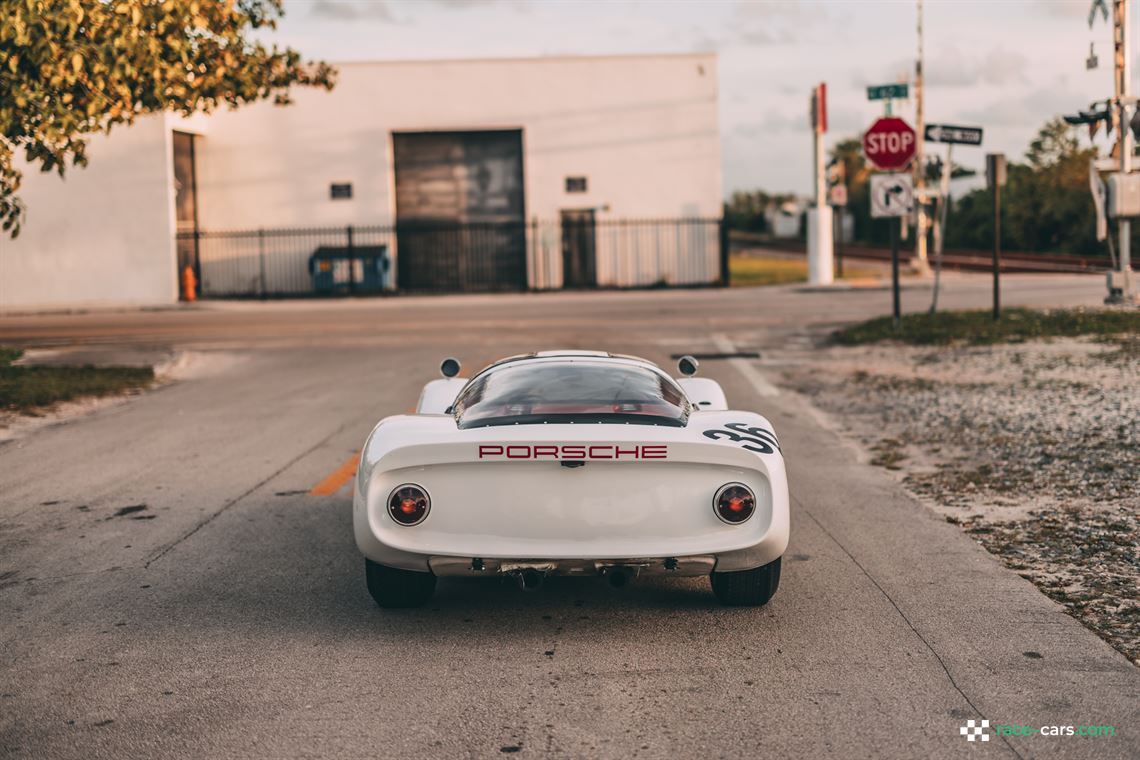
(392, 587)
(747, 588)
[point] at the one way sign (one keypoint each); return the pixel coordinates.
(949, 133)
(891, 195)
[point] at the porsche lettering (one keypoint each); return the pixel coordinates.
(558, 452)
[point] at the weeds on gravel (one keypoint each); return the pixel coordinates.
(979, 328)
(26, 388)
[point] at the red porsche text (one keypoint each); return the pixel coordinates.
(573, 451)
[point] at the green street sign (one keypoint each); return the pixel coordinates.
(887, 91)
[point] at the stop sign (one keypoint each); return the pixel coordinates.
(889, 144)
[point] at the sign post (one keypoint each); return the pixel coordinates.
(892, 196)
(890, 145)
(837, 199)
(995, 178)
(950, 135)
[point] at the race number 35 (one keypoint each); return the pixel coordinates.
(751, 438)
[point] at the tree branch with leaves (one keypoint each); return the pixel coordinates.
(73, 68)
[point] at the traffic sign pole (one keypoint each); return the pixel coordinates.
(995, 174)
(839, 247)
(895, 300)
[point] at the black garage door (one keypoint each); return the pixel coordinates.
(460, 216)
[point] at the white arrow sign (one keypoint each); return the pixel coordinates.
(891, 195)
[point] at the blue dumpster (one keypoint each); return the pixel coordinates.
(337, 270)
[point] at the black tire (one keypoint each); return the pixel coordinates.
(747, 588)
(392, 587)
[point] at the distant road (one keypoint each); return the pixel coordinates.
(970, 261)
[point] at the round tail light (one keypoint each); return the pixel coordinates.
(409, 504)
(734, 503)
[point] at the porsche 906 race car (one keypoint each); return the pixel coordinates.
(571, 463)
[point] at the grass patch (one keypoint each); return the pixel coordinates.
(979, 328)
(25, 389)
(750, 271)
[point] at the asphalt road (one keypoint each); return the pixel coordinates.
(229, 618)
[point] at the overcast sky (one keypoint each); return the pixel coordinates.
(1006, 65)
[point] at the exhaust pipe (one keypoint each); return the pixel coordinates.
(617, 576)
(531, 580)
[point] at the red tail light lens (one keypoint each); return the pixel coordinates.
(409, 504)
(734, 503)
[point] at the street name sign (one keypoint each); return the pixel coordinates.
(889, 144)
(897, 91)
(949, 133)
(891, 195)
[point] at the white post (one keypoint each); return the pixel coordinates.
(1123, 78)
(819, 222)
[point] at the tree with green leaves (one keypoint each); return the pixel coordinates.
(73, 68)
(1046, 205)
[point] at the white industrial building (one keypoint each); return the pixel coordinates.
(443, 175)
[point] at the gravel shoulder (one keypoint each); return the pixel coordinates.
(1031, 448)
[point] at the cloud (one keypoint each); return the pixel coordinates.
(768, 23)
(948, 67)
(773, 121)
(382, 10)
(1034, 108)
(1068, 8)
(1000, 66)
(353, 10)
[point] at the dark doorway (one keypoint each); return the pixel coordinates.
(186, 206)
(579, 246)
(460, 213)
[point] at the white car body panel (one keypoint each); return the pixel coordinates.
(439, 394)
(706, 394)
(502, 492)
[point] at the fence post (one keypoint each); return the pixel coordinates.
(261, 259)
(351, 261)
(725, 274)
(197, 260)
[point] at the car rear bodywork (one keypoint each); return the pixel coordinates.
(572, 498)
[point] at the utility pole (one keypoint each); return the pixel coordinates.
(920, 223)
(1121, 80)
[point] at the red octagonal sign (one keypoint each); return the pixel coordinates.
(889, 144)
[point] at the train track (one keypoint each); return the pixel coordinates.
(967, 261)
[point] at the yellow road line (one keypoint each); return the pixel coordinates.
(337, 478)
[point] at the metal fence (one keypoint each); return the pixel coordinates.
(456, 257)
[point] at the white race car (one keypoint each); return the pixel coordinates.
(571, 463)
